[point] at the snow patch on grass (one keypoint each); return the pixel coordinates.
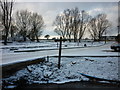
(105, 67)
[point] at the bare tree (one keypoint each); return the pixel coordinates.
(1, 25)
(6, 8)
(47, 36)
(59, 24)
(23, 22)
(66, 23)
(13, 31)
(72, 23)
(84, 19)
(75, 20)
(92, 28)
(37, 25)
(98, 25)
(0, 18)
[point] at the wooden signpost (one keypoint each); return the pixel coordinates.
(60, 48)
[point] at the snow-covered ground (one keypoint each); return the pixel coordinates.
(23, 46)
(48, 72)
(102, 67)
(99, 50)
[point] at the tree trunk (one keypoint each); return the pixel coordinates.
(5, 40)
(12, 34)
(69, 38)
(24, 38)
(37, 37)
(6, 35)
(79, 40)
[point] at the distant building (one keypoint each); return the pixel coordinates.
(109, 38)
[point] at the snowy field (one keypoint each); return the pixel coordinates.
(48, 72)
(93, 49)
(23, 46)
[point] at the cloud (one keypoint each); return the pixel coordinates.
(95, 11)
(50, 10)
(98, 9)
(112, 16)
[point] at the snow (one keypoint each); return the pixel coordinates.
(12, 86)
(23, 46)
(48, 72)
(97, 49)
(101, 66)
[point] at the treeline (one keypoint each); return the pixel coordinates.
(70, 24)
(29, 25)
(24, 25)
(73, 23)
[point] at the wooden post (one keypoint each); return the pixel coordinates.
(47, 58)
(59, 58)
(60, 48)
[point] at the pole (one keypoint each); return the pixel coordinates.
(59, 58)
(105, 37)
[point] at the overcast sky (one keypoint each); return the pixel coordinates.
(49, 11)
(67, 0)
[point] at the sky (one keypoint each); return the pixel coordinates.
(49, 10)
(67, 0)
